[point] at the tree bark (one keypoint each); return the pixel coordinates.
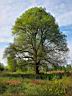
(37, 68)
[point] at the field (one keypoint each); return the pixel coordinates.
(18, 86)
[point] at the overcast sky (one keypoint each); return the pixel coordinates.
(11, 9)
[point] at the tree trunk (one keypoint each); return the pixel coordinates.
(37, 68)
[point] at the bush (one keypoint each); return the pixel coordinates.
(3, 88)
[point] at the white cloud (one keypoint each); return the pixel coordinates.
(32, 1)
(65, 19)
(70, 52)
(1, 56)
(61, 10)
(6, 40)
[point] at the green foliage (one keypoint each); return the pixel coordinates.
(37, 39)
(11, 64)
(29, 75)
(2, 87)
(68, 68)
(1, 67)
(27, 87)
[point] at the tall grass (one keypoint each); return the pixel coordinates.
(28, 87)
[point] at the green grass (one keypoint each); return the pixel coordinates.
(10, 86)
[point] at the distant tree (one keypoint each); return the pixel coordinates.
(38, 40)
(68, 68)
(11, 61)
(1, 67)
(11, 64)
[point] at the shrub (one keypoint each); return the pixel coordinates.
(28, 87)
(3, 88)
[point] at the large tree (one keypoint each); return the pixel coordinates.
(37, 39)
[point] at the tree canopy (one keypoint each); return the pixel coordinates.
(37, 39)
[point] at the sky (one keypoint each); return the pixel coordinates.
(11, 9)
